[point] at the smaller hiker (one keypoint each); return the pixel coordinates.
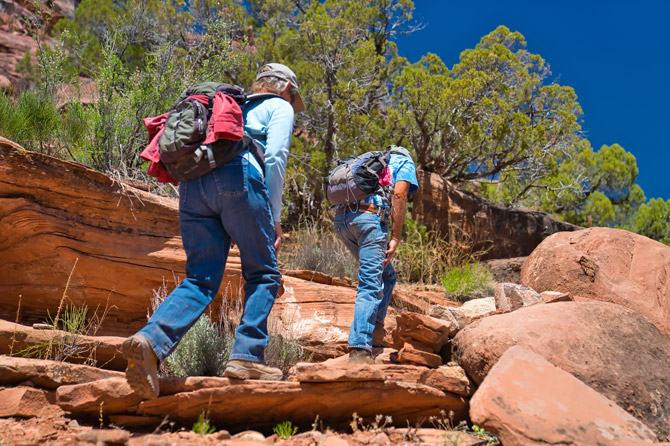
(363, 227)
(238, 201)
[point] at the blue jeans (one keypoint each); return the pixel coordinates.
(230, 202)
(366, 237)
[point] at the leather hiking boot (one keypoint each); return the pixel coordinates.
(378, 335)
(241, 369)
(142, 370)
(360, 356)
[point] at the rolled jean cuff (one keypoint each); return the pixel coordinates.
(245, 358)
(364, 347)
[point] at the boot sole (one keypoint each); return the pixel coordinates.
(241, 372)
(137, 375)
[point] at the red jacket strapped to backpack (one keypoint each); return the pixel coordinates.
(226, 122)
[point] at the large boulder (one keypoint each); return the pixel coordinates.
(608, 265)
(501, 231)
(525, 400)
(610, 348)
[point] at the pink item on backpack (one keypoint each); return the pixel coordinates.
(385, 177)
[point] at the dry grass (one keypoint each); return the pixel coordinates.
(424, 255)
(317, 249)
(65, 337)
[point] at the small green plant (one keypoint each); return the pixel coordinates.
(202, 425)
(481, 433)
(452, 438)
(285, 430)
(467, 281)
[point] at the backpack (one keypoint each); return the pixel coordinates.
(362, 176)
(181, 147)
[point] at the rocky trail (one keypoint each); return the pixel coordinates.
(575, 353)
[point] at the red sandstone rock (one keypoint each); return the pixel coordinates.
(26, 402)
(610, 348)
(106, 396)
(448, 378)
(512, 296)
(5, 84)
(408, 354)
(502, 231)
(422, 329)
(104, 351)
(238, 404)
(525, 400)
(466, 313)
(315, 373)
(174, 384)
(608, 265)
(318, 277)
(555, 296)
(104, 436)
(505, 270)
(48, 374)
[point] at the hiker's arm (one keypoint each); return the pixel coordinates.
(277, 143)
(398, 209)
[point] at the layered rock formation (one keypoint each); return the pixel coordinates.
(503, 232)
(67, 230)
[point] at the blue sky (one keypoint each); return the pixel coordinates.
(615, 54)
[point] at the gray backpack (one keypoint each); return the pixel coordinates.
(358, 178)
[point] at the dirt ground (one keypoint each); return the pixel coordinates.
(57, 430)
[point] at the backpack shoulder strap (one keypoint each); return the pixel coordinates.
(253, 98)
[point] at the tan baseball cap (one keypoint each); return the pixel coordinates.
(284, 73)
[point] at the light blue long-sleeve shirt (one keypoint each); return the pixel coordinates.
(274, 118)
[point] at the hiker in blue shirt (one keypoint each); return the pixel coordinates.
(364, 227)
(236, 201)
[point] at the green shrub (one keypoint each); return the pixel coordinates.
(203, 351)
(468, 281)
(12, 121)
(205, 348)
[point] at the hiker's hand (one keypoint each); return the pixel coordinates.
(392, 245)
(278, 234)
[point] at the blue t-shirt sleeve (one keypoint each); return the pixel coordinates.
(405, 170)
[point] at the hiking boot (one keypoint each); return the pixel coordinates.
(378, 335)
(241, 369)
(142, 370)
(360, 356)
